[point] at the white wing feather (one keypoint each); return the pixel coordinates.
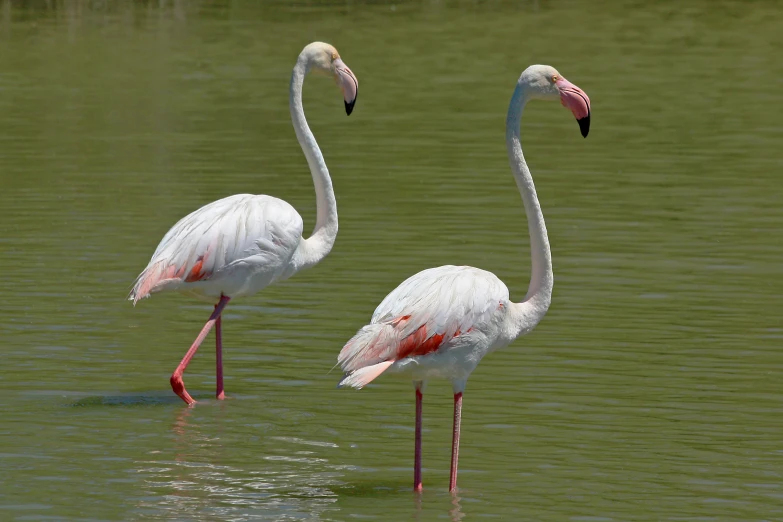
(444, 299)
(447, 301)
(244, 231)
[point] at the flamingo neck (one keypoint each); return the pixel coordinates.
(319, 244)
(526, 315)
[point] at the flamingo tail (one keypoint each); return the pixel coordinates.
(363, 376)
(373, 344)
(153, 279)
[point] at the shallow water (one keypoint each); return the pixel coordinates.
(651, 391)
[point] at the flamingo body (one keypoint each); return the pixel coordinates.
(238, 245)
(235, 246)
(438, 323)
(441, 322)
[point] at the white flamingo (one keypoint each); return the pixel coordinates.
(442, 321)
(238, 245)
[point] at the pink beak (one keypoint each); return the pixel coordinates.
(577, 101)
(348, 83)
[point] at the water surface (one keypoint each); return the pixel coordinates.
(651, 391)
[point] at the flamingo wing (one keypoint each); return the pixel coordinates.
(219, 237)
(422, 315)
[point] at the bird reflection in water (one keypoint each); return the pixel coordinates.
(204, 477)
(455, 512)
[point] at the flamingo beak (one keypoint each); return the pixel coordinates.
(575, 99)
(348, 83)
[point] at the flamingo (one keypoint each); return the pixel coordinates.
(442, 321)
(238, 245)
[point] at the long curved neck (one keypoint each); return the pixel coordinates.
(320, 242)
(539, 295)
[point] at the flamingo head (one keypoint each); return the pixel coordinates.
(324, 58)
(544, 82)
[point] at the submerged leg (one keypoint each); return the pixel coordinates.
(219, 393)
(417, 455)
(176, 378)
(455, 441)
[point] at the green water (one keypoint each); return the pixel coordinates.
(652, 389)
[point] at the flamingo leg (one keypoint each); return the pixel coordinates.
(455, 441)
(417, 455)
(176, 378)
(219, 393)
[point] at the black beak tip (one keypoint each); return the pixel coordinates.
(349, 107)
(584, 125)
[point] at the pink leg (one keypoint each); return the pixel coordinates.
(455, 441)
(417, 455)
(220, 394)
(176, 378)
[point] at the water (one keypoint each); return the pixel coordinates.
(651, 391)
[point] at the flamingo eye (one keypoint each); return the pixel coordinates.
(555, 78)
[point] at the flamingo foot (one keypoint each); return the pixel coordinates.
(178, 385)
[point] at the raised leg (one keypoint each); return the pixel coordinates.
(417, 455)
(455, 441)
(219, 393)
(176, 378)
